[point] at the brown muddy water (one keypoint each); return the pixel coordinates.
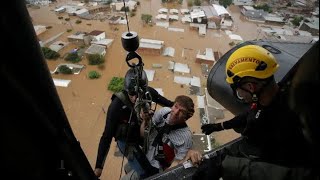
(84, 100)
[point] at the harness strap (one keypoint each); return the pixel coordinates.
(124, 99)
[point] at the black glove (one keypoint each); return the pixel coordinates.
(209, 128)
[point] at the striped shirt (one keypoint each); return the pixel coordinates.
(181, 139)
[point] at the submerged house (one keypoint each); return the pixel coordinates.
(150, 46)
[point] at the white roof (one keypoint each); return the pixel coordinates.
(123, 21)
(175, 17)
(184, 11)
(163, 10)
(151, 41)
(131, 3)
(81, 11)
(39, 29)
(195, 81)
(186, 18)
(183, 68)
(202, 30)
(235, 37)
(176, 29)
(304, 33)
(162, 24)
(273, 18)
(182, 80)
(248, 7)
(227, 23)
(277, 31)
(104, 42)
(161, 16)
(96, 49)
(197, 14)
(150, 74)
(151, 44)
(36, 27)
(171, 65)
(228, 32)
(174, 11)
(59, 9)
(200, 100)
(77, 36)
(61, 82)
(169, 51)
(58, 45)
(220, 9)
(208, 55)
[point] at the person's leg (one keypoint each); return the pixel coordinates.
(133, 162)
(127, 168)
(132, 175)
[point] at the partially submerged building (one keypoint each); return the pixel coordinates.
(206, 57)
(39, 29)
(252, 14)
(311, 25)
(96, 49)
(132, 5)
(97, 35)
(78, 38)
(58, 45)
(150, 46)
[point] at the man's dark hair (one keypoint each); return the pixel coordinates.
(187, 103)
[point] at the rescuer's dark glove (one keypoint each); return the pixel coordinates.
(209, 128)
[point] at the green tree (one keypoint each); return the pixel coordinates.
(95, 59)
(94, 75)
(296, 20)
(116, 84)
(49, 54)
(264, 7)
(197, 2)
(146, 18)
(64, 69)
(125, 9)
(73, 57)
(190, 3)
(225, 3)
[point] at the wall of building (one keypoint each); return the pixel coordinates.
(148, 51)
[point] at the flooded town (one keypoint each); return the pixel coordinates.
(180, 41)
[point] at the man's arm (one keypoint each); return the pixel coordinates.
(157, 98)
(181, 149)
(237, 122)
(193, 155)
(112, 120)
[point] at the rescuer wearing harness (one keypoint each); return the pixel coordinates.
(123, 124)
(273, 140)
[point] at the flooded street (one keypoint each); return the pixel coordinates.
(84, 99)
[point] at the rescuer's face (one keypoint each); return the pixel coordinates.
(132, 98)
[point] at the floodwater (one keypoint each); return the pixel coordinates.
(84, 100)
